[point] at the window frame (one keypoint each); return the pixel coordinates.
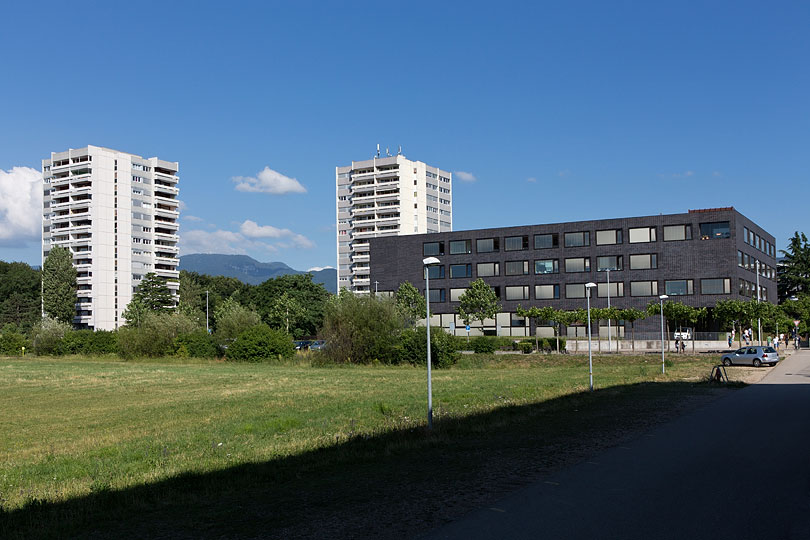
(687, 232)
(555, 264)
(495, 245)
(468, 247)
(652, 235)
(586, 239)
(555, 240)
(619, 263)
(617, 237)
(555, 289)
(497, 269)
(586, 265)
(467, 273)
(438, 243)
(524, 242)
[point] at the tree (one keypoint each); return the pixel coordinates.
(59, 285)
(728, 313)
(286, 312)
(232, 318)
(410, 303)
(632, 315)
(795, 279)
(154, 294)
(478, 302)
(20, 295)
(539, 314)
(310, 295)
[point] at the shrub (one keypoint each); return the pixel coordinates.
(48, 336)
(197, 344)
(260, 344)
(412, 347)
(88, 342)
(483, 344)
(155, 336)
(12, 341)
(526, 347)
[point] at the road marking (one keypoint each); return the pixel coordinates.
(549, 482)
(498, 510)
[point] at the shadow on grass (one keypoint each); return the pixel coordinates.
(393, 484)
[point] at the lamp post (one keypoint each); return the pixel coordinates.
(662, 298)
(607, 271)
(588, 287)
(427, 262)
(759, 320)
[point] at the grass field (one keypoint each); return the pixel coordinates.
(84, 443)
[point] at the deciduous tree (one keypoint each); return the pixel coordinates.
(59, 285)
(478, 302)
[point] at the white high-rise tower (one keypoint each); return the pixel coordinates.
(386, 196)
(117, 213)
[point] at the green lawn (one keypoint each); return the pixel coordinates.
(74, 430)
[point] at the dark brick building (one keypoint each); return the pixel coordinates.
(698, 258)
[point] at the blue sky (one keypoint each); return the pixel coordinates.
(558, 111)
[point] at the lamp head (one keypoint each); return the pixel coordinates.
(663, 297)
(430, 260)
(590, 285)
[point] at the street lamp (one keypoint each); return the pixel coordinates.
(427, 262)
(588, 287)
(759, 319)
(662, 298)
(607, 271)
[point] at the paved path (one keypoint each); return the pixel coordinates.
(739, 468)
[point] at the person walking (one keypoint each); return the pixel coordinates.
(730, 339)
(776, 342)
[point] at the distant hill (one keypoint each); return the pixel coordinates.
(250, 270)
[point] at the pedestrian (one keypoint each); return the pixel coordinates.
(730, 339)
(683, 345)
(770, 342)
(677, 345)
(776, 343)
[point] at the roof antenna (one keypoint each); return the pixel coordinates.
(378, 149)
(387, 152)
(400, 150)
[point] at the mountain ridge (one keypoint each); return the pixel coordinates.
(249, 270)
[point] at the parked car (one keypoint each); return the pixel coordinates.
(302, 345)
(684, 334)
(317, 345)
(755, 356)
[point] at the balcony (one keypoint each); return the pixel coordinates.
(361, 247)
(360, 257)
(364, 211)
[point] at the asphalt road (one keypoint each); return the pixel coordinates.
(739, 468)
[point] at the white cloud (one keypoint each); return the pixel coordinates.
(531, 180)
(20, 206)
(182, 205)
(319, 268)
(465, 176)
(251, 237)
(268, 181)
(563, 173)
(191, 218)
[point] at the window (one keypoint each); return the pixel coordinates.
(435, 271)
(616, 289)
(488, 269)
(545, 241)
(546, 292)
(746, 235)
(719, 229)
(520, 292)
(486, 245)
(459, 247)
(646, 261)
(640, 235)
(497, 291)
(460, 271)
(432, 248)
(612, 236)
(547, 266)
(609, 262)
(578, 264)
(455, 294)
(575, 290)
(677, 232)
(516, 320)
(437, 295)
(643, 288)
(517, 268)
(678, 287)
(515, 243)
(577, 239)
(715, 286)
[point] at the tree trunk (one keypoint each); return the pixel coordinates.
(633, 330)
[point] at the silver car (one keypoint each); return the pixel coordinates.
(754, 356)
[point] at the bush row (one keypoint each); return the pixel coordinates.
(490, 344)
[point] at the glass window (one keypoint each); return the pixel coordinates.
(486, 245)
(746, 235)
(678, 287)
(612, 236)
(740, 259)
(719, 229)
(435, 271)
(677, 232)
(517, 320)
(643, 288)
(545, 241)
(715, 286)
(497, 290)
(488, 269)
(460, 270)
(640, 235)
(643, 262)
(437, 295)
(616, 289)
(576, 239)
(609, 262)
(547, 266)
(546, 292)
(516, 268)
(460, 247)
(432, 248)
(575, 290)
(520, 292)
(455, 294)
(515, 243)
(578, 264)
